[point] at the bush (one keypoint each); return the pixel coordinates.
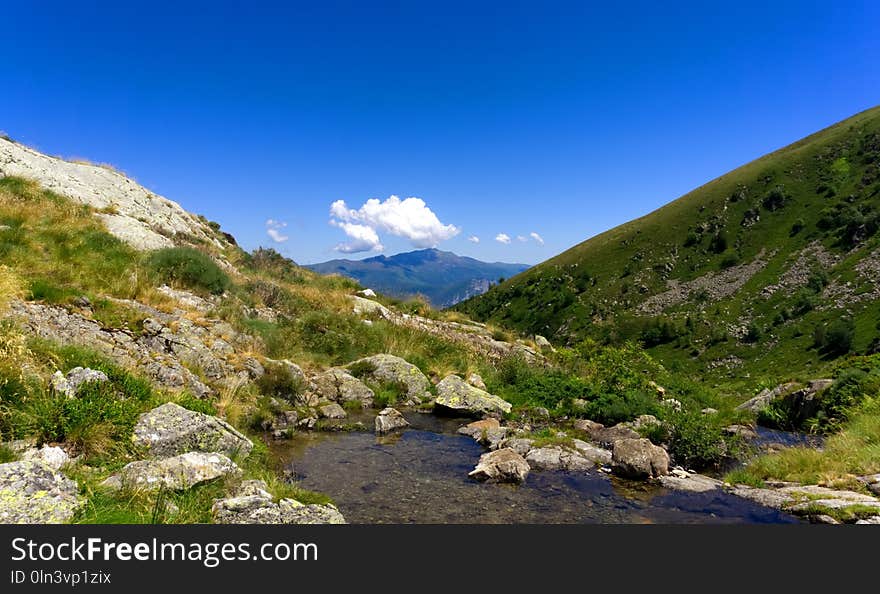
(278, 382)
(719, 242)
(695, 439)
(836, 338)
(190, 268)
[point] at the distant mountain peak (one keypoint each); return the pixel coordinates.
(444, 278)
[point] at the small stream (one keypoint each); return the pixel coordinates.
(421, 476)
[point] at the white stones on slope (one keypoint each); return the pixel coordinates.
(132, 213)
(389, 369)
(69, 384)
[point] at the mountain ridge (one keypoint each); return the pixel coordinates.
(442, 277)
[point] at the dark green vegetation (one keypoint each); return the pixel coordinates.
(190, 268)
(443, 278)
(797, 229)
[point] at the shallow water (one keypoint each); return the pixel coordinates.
(420, 476)
(786, 438)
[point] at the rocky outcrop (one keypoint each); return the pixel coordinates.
(474, 336)
(388, 369)
(161, 352)
(177, 473)
(338, 385)
(503, 465)
(639, 459)
(252, 504)
(487, 432)
(801, 403)
(810, 500)
(132, 213)
(69, 384)
(681, 480)
(389, 419)
(170, 429)
(32, 492)
(456, 395)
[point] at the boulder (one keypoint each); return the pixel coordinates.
(503, 465)
(639, 459)
(606, 436)
(338, 385)
(69, 384)
(520, 445)
(693, 483)
(259, 508)
(368, 307)
(766, 396)
(331, 411)
(488, 432)
(389, 419)
(476, 381)
(595, 454)
(34, 493)
(368, 293)
(52, 456)
(456, 395)
(557, 458)
(170, 429)
(177, 473)
(743, 431)
(388, 369)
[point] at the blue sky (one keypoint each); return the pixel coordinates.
(556, 118)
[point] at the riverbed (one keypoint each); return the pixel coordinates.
(420, 475)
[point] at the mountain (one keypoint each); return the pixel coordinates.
(443, 278)
(771, 268)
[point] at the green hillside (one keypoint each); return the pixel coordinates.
(768, 271)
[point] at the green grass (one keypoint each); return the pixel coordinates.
(851, 452)
(826, 186)
(188, 268)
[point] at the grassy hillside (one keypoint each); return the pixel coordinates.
(768, 271)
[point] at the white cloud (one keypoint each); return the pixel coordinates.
(363, 238)
(410, 218)
(474, 239)
(522, 238)
(537, 238)
(502, 238)
(273, 230)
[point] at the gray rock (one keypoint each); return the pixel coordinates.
(332, 411)
(766, 396)
(33, 493)
(476, 381)
(294, 512)
(606, 436)
(368, 307)
(177, 473)
(520, 445)
(456, 395)
(693, 483)
(252, 487)
(171, 429)
(52, 456)
(503, 465)
(389, 419)
(709, 411)
(246, 509)
(70, 384)
(477, 428)
(338, 385)
(542, 342)
(871, 520)
(557, 458)
(639, 459)
(595, 454)
(367, 293)
(388, 369)
(743, 431)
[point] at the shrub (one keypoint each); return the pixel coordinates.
(753, 332)
(190, 268)
(278, 382)
(719, 242)
(729, 261)
(836, 338)
(695, 439)
(775, 199)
